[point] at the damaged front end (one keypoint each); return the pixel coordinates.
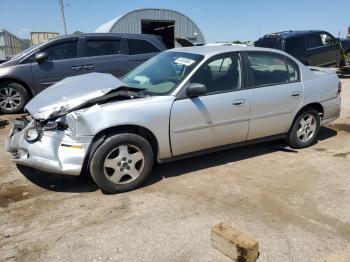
(47, 145)
(45, 139)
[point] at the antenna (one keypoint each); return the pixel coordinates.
(63, 18)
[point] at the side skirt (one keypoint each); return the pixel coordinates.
(219, 148)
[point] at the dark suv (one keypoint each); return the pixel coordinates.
(314, 48)
(38, 67)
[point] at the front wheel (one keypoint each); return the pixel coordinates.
(305, 129)
(122, 163)
(13, 98)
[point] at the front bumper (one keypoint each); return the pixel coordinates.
(54, 152)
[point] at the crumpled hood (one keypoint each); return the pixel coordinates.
(70, 93)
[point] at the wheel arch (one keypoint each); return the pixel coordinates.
(314, 105)
(9, 79)
(102, 135)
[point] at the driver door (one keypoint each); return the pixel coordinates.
(63, 61)
(219, 117)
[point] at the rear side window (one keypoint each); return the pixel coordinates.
(67, 50)
(270, 42)
(137, 46)
(102, 47)
(295, 46)
(293, 71)
(271, 69)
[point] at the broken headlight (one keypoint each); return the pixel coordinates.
(59, 124)
(33, 133)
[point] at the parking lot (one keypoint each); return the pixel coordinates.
(295, 203)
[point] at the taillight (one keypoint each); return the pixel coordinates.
(339, 87)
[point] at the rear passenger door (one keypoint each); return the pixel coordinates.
(295, 46)
(104, 55)
(139, 51)
(277, 93)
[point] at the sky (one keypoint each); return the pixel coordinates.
(219, 20)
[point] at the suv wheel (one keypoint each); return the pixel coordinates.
(122, 163)
(305, 129)
(13, 97)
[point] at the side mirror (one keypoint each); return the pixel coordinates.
(41, 57)
(196, 89)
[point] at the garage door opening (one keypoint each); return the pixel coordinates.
(165, 29)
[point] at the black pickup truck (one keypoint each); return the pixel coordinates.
(314, 48)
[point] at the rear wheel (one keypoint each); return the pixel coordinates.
(13, 98)
(122, 163)
(305, 129)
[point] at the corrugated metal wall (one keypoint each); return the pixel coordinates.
(131, 23)
(10, 44)
(39, 37)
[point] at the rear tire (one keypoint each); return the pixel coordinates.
(13, 98)
(305, 129)
(122, 163)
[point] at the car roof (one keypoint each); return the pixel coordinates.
(288, 34)
(136, 36)
(214, 50)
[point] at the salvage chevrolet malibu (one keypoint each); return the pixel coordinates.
(180, 103)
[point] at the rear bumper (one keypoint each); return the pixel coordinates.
(331, 110)
(54, 152)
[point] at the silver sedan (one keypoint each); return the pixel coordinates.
(181, 103)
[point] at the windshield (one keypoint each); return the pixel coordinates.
(161, 74)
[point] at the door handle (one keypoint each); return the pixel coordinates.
(296, 94)
(89, 67)
(239, 102)
(77, 68)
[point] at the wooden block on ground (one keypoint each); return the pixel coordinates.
(341, 257)
(234, 244)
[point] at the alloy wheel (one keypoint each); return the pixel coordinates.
(306, 128)
(124, 164)
(10, 99)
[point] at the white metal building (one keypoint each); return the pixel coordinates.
(167, 23)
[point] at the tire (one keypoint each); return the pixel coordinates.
(122, 163)
(13, 98)
(305, 129)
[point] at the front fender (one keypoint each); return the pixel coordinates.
(151, 113)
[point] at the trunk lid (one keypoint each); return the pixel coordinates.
(322, 70)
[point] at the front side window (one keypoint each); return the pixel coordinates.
(220, 75)
(61, 51)
(271, 69)
(102, 47)
(327, 40)
(161, 74)
(137, 46)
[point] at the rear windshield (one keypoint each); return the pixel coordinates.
(270, 42)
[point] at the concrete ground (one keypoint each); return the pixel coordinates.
(296, 203)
